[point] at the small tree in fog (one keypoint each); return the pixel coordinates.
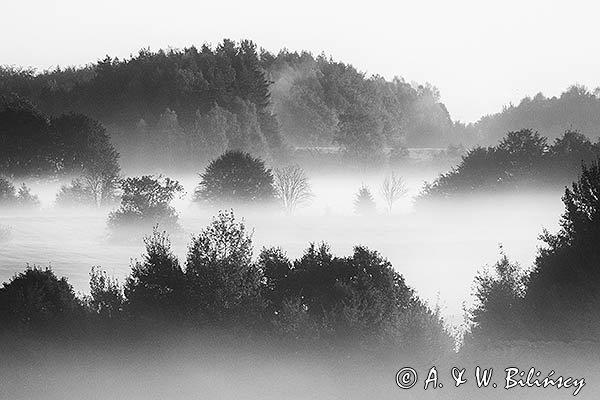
(498, 294)
(9, 196)
(364, 203)
(392, 189)
(155, 289)
(236, 177)
(224, 283)
(292, 187)
(146, 201)
(26, 199)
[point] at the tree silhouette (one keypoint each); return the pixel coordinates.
(236, 178)
(224, 284)
(146, 202)
(155, 289)
(36, 300)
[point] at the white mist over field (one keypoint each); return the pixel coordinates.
(437, 249)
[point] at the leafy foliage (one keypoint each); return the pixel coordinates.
(223, 282)
(521, 159)
(499, 294)
(146, 202)
(155, 289)
(36, 300)
(236, 177)
(33, 145)
(558, 299)
(576, 109)
(106, 295)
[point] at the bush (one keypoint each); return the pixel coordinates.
(146, 202)
(236, 178)
(36, 300)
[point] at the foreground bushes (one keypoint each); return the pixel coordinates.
(359, 299)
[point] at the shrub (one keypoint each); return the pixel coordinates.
(146, 202)
(36, 300)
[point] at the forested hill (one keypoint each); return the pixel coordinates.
(576, 109)
(313, 95)
(175, 105)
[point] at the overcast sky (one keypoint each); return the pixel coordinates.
(480, 54)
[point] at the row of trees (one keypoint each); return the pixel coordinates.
(577, 108)
(522, 159)
(558, 298)
(359, 298)
(233, 179)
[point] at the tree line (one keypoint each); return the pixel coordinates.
(319, 298)
(577, 108)
(522, 160)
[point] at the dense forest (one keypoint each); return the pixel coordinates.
(180, 108)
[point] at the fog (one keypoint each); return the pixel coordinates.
(184, 368)
(438, 249)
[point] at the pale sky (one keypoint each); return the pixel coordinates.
(480, 54)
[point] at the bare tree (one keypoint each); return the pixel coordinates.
(392, 189)
(292, 187)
